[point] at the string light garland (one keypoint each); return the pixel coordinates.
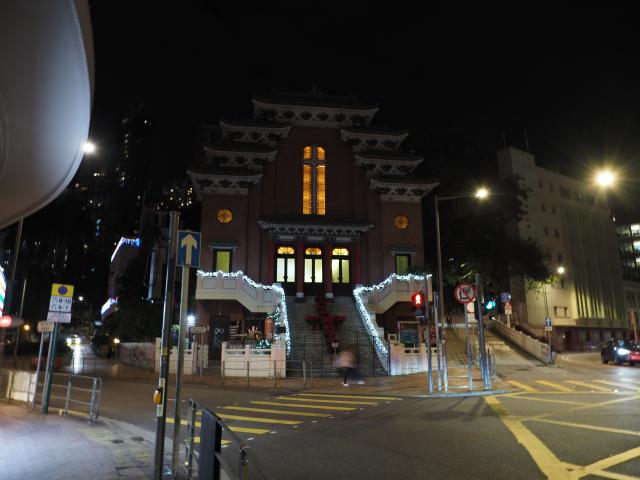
(281, 306)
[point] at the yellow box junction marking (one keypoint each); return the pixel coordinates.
(586, 427)
(351, 402)
(633, 388)
(589, 385)
(278, 412)
(547, 400)
(361, 397)
(557, 386)
(522, 386)
(318, 407)
(259, 419)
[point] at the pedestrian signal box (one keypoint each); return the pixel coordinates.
(417, 299)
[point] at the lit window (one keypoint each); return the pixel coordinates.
(401, 222)
(403, 262)
(313, 181)
(223, 260)
(224, 215)
(340, 252)
(313, 251)
(286, 251)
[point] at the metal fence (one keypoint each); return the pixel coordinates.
(204, 457)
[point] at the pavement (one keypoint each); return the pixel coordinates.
(55, 447)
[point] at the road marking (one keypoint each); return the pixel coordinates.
(351, 402)
(319, 407)
(607, 462)
(522, 386)
(589, 385)
(280, 412)
(548, 400)
(584, 407)
(259, 419)
(363, 397)
(586, 427)
(182, 421)
(222, 442)
(557, 386)
(547, 462)
(257, 431)
(633, 388)
(614, 476)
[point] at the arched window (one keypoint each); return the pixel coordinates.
(313, 181)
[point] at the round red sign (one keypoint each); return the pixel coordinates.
(465, 293)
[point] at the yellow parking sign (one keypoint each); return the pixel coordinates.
(61, 290)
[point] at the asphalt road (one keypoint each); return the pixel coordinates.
(576, 419)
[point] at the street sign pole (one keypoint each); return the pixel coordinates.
(184, 300)
(483, 354)
(35, 390)
(161, 408)
(48, 376)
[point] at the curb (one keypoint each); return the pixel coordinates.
(480, 393)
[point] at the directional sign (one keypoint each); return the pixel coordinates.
(188, 249)
(45, 327)
(547, 325)
(465, 293)
(59, 317)
(507, 308)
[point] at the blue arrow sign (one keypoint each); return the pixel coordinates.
(188, 249)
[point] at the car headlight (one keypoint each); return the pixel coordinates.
(623, 351)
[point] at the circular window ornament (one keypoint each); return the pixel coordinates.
(224, 215)
(401, 222)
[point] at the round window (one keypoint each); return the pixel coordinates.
(224, 215)
(401, 222)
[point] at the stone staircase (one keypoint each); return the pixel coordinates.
(310, 346)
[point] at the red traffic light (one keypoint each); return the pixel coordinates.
(5, 321)
(417, 299)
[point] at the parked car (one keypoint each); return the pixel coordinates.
(619, 351)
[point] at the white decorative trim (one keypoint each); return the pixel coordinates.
(282, 305)
(239, 158)
(294, 229)
(400, 191)
(378, 140)
(314, 115)
(393, 166)
(205, 183)
(255, 133)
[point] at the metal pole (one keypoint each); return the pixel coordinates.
(184, 300)
(486, 378)
(48, 376)
(167, 314)
(15, 348)
(440, 313)
(469, 364)
(35, 390)
(429, 364)
(438, 352)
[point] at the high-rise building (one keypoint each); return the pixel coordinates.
(572, 223)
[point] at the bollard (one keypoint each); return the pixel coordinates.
(275, 375)
(248, 383)
(223, 372)
(93, 399)
(68, 397)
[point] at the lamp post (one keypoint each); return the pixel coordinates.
(480, 194)
(560, 271)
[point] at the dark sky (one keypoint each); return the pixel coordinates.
(572, 79)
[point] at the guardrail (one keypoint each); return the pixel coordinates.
(525, 342)
(79, 390)
(207, 461)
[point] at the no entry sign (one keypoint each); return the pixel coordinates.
(465, 293)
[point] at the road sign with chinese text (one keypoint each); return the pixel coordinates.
(59, 317)
(45, 327)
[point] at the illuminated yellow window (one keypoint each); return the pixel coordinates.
(313, 181)
(286, 251)
(320, 194)
(313, 251)
(306, 189)
(340, 252)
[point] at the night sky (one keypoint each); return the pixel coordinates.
(572, 80)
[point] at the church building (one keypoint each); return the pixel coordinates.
(306, 195)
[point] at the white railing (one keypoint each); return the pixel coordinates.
(531, 345)
(254, 362)
(379, 298)
(254, 296)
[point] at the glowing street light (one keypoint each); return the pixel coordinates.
(116, 340)
(482, 193)
(605, 178)
(88, 147)
(561, 270)
(26, 327)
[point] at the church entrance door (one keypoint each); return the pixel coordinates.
(313, 271)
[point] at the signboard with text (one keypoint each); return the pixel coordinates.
(60, 303)
(45, 327)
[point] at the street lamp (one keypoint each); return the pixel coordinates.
(605, 178)
(481, 194)
(89, 147)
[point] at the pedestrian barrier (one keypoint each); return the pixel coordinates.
(74, 392)
(204, 456)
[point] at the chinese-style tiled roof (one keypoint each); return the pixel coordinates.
(254, 122)
(377, 131)
(390, 155)
(408, 179)
(315, 99)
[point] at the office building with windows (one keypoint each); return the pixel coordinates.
(571, 221)
(309, 196)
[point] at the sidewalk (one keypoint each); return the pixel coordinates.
(53, 447)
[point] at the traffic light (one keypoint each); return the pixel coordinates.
(490, 304)
(418, 299)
